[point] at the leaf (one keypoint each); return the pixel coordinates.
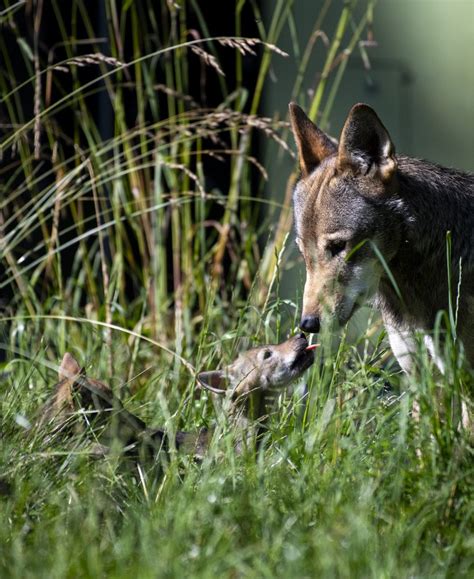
(25, 48)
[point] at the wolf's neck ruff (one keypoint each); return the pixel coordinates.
(430, 202)
(437, 200)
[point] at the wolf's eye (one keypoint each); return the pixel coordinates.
(335, 248)
(267, 354)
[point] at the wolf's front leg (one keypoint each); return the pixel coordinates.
(404, 347)
(403, 344)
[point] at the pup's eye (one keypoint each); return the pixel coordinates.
(267, 354)
(335, 248)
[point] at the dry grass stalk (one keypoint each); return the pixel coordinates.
(208, 59)
(105, 273)
(89, 59)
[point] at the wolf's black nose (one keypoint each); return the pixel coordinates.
(310, 324)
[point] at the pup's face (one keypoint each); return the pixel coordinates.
(343, 213)
(264, 369)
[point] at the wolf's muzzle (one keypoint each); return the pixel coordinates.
(310, 324)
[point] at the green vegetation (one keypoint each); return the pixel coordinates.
(120, 251)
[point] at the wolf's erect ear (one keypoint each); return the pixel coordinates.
(365, 144)
(216, 381)
(313, 145)
(69, 367)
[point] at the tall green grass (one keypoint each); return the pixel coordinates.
(352, 486)
(164, 276)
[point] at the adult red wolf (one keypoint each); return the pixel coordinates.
(373, 225)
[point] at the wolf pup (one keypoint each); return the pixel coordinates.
(250, 385)
(363, 214)
(80, 403)
(252, 382)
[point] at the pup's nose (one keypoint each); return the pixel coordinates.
(301, 336)
(310, 324)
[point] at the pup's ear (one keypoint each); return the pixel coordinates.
(365, 144)
(69, 367)
(313, 145)
(216, 381)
